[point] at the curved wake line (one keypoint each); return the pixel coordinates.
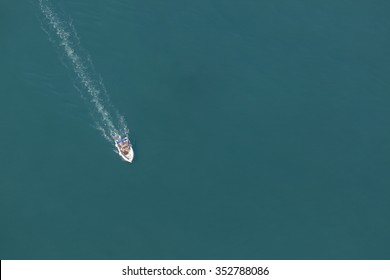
(68, 41)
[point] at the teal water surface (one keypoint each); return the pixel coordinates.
(261, 130)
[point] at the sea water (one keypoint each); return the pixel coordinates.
(261, 130)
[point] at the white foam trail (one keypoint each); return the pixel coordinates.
(80, 63)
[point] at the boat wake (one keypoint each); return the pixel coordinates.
(87, 81)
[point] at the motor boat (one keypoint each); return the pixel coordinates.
(124, 148)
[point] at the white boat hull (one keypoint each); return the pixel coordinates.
(129, 157)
